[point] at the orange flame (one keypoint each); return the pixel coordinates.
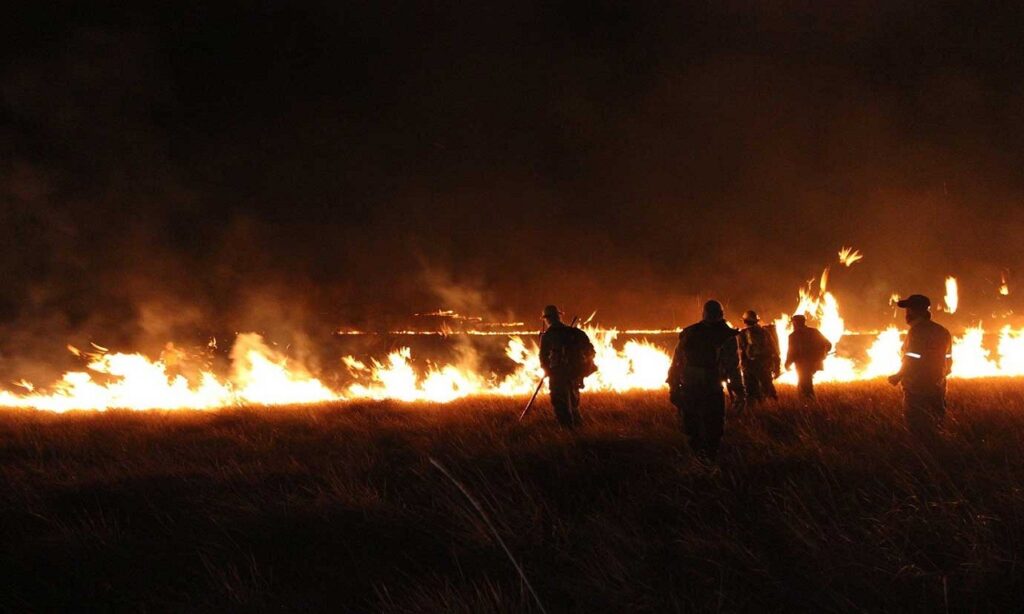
(952, 298)
(848, 256)
(262, 375)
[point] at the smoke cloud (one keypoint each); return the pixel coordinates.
(203, 170)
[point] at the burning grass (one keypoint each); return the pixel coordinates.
(338, 507)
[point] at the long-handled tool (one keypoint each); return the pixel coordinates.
(533, 398)
(536, 391)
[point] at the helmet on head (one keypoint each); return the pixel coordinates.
(713, 311)
(750, 317)
(551, 312)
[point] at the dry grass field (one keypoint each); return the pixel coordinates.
(827, 508)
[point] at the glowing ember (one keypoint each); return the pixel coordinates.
(1004, 287)
(848, 256)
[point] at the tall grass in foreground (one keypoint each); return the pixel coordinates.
(831, 508)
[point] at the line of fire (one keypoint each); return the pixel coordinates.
(262, 374)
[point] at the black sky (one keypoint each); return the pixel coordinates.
(245, 165)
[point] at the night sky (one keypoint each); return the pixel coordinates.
(285, 166)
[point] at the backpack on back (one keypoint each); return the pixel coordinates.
(756, 343)
(574, 354)
(760, 343)
(581, 354)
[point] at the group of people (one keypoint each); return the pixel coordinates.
(713, 360)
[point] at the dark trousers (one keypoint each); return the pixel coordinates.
(702, 411)
(805, 381)
(924, 407)
(565, 398)
(758, 381)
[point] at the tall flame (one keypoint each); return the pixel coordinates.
(952, 298)
(884, 354)
(824, 309)
(823, 284)
(970, 357)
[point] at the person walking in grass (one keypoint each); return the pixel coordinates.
(567, 357)
(759, 357)
(807, 350)
(706, 356)
(927, 361)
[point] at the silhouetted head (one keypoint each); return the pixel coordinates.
(551, 314)
(918, 307)
(750, 317)
(713, 312)
(799, 320)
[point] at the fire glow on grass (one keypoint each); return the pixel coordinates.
(261, 375)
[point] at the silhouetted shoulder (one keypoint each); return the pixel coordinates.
(690, 331)
(941, 332)
(930, 328)
(556, 330)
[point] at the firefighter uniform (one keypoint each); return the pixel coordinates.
(706, 356)
(759, 359)
(927, 360)
(566, 355)
(807, 350)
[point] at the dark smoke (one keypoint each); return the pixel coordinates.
(209, 168)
